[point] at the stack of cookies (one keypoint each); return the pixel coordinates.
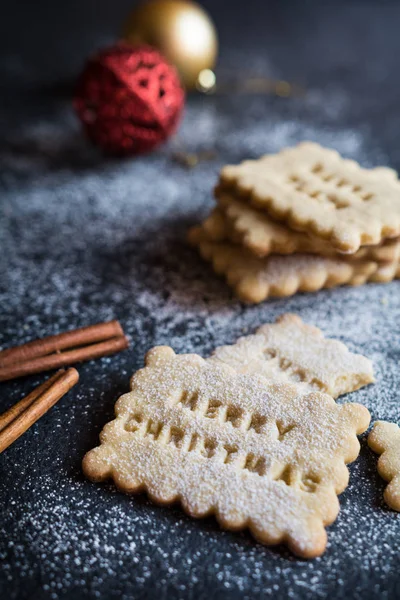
(302, 220)
(251, 434)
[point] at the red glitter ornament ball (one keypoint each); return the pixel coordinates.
(129, 99)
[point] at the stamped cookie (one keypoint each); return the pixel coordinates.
(292, 351)
(259, 233)
(384, 439)
(253, 453)
(256, 279)
(313, 189)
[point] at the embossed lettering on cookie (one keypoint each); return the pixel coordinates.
(253, 453)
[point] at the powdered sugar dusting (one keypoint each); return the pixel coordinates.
(84, 239)
(292, 351)
(257, 454)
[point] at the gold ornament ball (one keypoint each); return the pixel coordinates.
(181, 30)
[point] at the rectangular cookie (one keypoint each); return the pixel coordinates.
(291, 351)
(255, 454)
(255, 230)
(315, 190)
(256, 279)
(384, 439)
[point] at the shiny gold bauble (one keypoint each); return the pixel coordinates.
(181, 30)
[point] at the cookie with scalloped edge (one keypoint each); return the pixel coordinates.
(315, 190)
(255, 230)
(292, 351)
(255, 454)
(256, 279)
(384, 439)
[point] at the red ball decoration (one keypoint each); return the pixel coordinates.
(129, 99)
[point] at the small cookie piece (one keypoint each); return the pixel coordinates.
(384, 439)
(289, 350)
(255, 230)
(253, 453)
(315, 190)
(256, 279)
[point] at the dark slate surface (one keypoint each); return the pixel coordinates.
(85, 238)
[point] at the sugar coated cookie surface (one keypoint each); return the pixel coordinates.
(315, 190)
(253, 453)
(292, 351)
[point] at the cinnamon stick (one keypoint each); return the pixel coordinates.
(60, 386)
(18, 408)
(61, 341)
(62, 359)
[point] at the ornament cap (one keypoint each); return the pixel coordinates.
(181, 30)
